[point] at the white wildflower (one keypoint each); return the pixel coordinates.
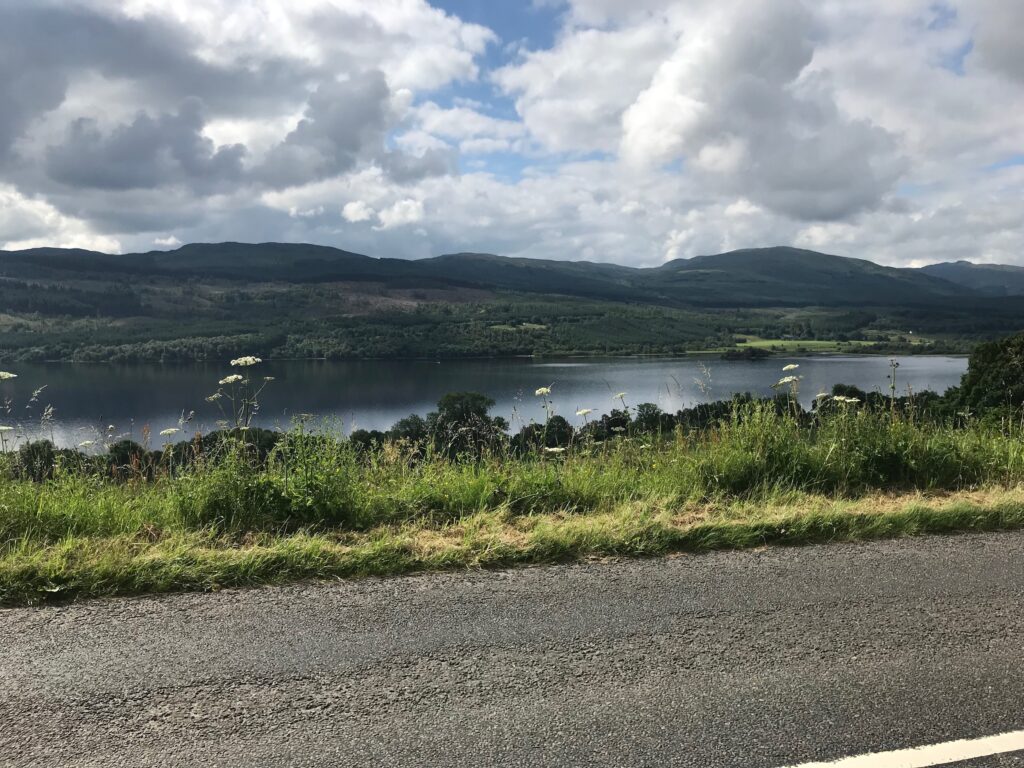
(554, 450)
(169, 431)
(787, 380)
(543, 392)
(7, 375)
(268, 378)
(214, 397)
(790, 367)
(234, 378)
(6, 429)
(87, 444)
(584, 411)
(246, 361)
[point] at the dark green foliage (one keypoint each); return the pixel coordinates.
(991, 279)
(796, 277)
(995, 376)
(651, 420)
(462, 425)
(556, 432)
(204, 302)
(746, 353)
(413, 429)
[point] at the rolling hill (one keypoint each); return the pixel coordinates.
(988, 279)
(753, 277)
(795, 277)
(215, 300)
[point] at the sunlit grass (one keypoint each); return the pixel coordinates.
(171, 560)
(308, 505)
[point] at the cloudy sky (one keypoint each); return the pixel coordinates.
(631, 131)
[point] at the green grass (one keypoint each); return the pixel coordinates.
(320, 509)
(802, 345)
(84, 566)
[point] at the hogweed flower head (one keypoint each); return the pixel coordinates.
(5, 428)
(87, 444)
(543, 392)
(234, 378)
(169, 431)
(790, 367)
(786, 380)
(553, 450)
(214, 397)
(584, 411)
(246, 361)
(7, 375)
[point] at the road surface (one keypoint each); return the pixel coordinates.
(771, 658)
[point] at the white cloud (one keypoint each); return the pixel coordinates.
(649, 129)
(167, 242)
(34, 223)
(737, 101)
(997, 35)
(356, 211)
(572, 97)
(403, 212)
(465, 122)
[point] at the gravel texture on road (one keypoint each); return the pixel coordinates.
(740, 659)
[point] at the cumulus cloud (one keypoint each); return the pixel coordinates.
(997, 35)
(343, 122)
(400, 214)
(647, 130)
(572, 96)
(356, 211)
(736, 102)
(33, 223)
(148, 152)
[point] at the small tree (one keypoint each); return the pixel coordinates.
(462, 425)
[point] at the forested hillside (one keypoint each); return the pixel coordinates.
(206, 301)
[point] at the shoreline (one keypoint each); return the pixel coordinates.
(704, 355)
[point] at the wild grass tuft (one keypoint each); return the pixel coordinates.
(242, 510)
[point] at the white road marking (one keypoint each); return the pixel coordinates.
(934, 754)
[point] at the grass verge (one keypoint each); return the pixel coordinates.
(150, 561)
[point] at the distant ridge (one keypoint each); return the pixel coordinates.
(787, 275)
(776, 276)
(212, 301)
(989, 279)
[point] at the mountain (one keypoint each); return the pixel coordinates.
(759, 277)
(793, 276)
(988, 279)
(210, 301)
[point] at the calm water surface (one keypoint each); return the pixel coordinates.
(375, 394)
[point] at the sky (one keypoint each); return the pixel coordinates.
(626, 131)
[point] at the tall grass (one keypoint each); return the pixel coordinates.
(315, 505)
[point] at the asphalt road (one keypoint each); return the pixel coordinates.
(768, 658)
